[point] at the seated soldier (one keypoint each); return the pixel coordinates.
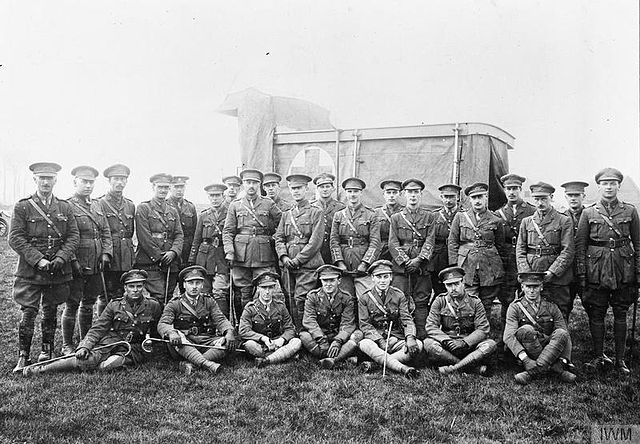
(194, 317)
(130, 319)
(329, 320)
(536, 333)
(266, 326)
(381, 308)
(457, 327)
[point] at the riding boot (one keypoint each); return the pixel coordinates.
(63, 365)
(68, 327)
(285, 352)
(214, 354)
(310, 344)
(85, 318)
(620, 333)
(192, 355)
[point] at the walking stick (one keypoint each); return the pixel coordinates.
(166, 285)
(633, 331)
(104, 286)
(291, 297)
(147, 345)
(71, 355)
(233, 316)
(386, 350)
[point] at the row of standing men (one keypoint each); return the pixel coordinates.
(236, 240)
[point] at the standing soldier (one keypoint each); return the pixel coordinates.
(233, 184)
(120, 213)
(545, 244)
(194, 317)
(511, 214)
(458, 328)
(92, 257)
(207, 249)
(271, 185)
(160, 240)
(44, 234)
(536, 333)
(250, 223)
(476, 243)
(574, 193)
(450, 197)
(325, 186)
(266, 326)
(608, 262)
(355, 239)
(187, 212)
(298, 242)
(411, 240)
(329, 320)
(390, 192)
(387, 326)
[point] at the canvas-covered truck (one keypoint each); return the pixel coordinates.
(461, 153)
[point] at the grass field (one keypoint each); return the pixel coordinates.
(299, 402)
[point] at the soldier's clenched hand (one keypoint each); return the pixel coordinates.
(447, 344)
(57, 264)
(341, 265)
(287, 262)
(175, 339)
(458, 345)
(412, 345)
(82, 353)
(362, 268)
(334, 349)
(413, 265)
(104, 262)
(230, 340)
(279, 342)
(323, 345)
(167, 258)
(76, 268)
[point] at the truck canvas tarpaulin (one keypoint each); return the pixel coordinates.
(461, 153)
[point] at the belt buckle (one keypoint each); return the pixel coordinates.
(350, 242)
(254, 231)
(416, 243)
(50, 243)
(612, 243)
(514, 241)
(129, 337)
(457, 330)
(194, 331)
(216, 242)
(538, 250)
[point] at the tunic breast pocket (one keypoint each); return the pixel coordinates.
(552, 234)
(207, 229)
(155, 224)
(598, 229)
(623, 224)
(363, 227)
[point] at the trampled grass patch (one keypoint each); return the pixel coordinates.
(300, 402)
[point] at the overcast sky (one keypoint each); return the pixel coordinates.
(139, 82)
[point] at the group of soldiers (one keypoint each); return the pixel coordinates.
(336, 279)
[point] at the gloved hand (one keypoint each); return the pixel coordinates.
(76, 268)
(43, 265)
(268, 343)
(547, 276)
(167, 258)
(57, 264)
(104, 262)
(334, 349)
(341, 265)
(362, 268)
(175, 339)
(528, 363)
(323, 345)
(447, 344)
(229, 259)
(382, 343)
(413, 265)
(411, 345)
(230, 340)
(287, 262)
(82, 353)
(582, 282)
(278, 342)
(458, 345)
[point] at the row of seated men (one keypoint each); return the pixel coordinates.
(198, 333)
